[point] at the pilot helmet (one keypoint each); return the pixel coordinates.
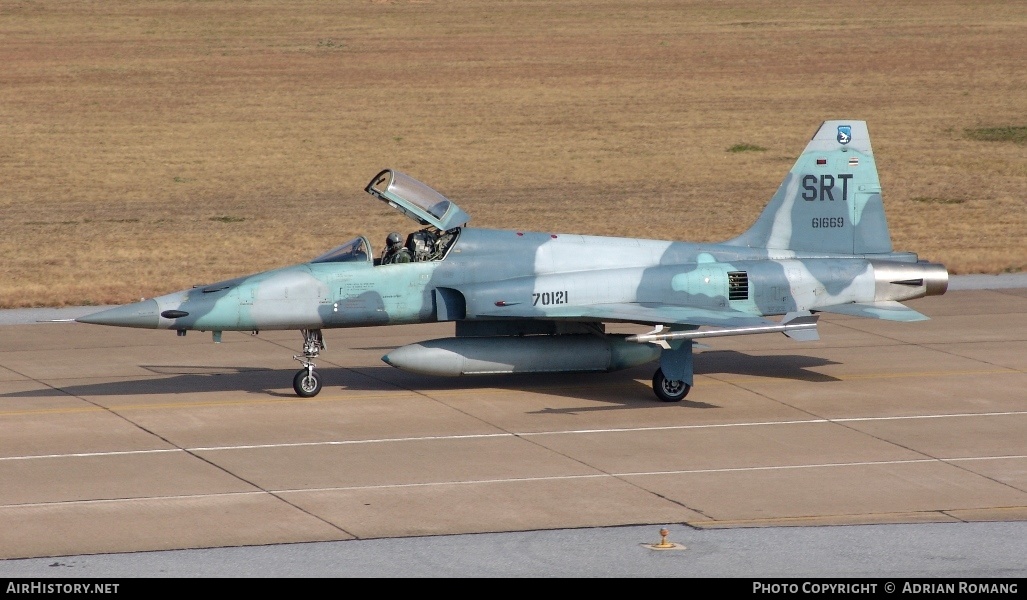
(393, 239)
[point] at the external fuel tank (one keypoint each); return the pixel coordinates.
(456, 356)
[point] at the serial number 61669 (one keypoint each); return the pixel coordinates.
(828, 222)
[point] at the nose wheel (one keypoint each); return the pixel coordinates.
(307, 383)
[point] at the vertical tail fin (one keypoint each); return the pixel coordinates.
(829, 202)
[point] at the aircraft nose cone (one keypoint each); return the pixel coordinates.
(139, 314)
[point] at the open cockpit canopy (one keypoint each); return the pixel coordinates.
(416, 200)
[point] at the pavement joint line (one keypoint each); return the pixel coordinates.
(95, 454)
(517, 435)
(122, 500)
(275, 492)
(358, 442)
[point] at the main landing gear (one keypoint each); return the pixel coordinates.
(307, 383)
(669, 390)
(674, 378)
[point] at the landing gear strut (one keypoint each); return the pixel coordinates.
(673, 379)
(307, 383)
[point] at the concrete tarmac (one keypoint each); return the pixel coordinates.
(884, 449)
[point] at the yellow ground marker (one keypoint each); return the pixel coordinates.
(663, 543)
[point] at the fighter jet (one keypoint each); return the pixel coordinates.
(532, 302)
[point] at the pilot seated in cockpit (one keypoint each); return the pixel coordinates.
(395, 251)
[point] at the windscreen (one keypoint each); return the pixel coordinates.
(355, 250)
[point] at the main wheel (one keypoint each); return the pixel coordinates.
(306, 385)
(668, 390)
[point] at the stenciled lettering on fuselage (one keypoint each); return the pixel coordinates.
(827, 222)
(823, 187)
(547, 298)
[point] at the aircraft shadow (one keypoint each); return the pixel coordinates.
(780, 366)
(622, 389)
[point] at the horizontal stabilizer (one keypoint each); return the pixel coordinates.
(889, 310)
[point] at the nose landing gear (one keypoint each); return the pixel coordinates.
(307, 383)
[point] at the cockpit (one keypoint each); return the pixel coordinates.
(424, 245)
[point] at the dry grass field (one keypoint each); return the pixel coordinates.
(146, 146)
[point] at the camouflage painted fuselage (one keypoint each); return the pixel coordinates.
(492, 274)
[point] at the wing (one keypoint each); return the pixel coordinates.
(666, 314)
(652, 314)
(682, 320)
